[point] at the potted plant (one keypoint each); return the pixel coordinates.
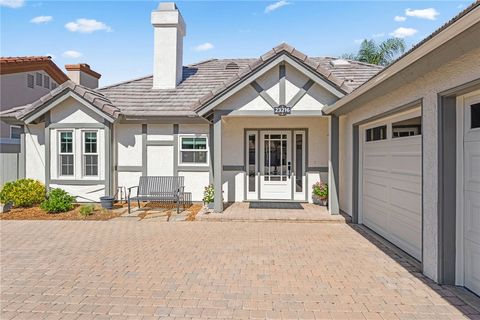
(209, 196)
(320, 193)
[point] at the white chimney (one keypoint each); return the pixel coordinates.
(169, 30)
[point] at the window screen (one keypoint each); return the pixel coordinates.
(193, 150)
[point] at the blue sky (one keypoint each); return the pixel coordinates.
(116, 37)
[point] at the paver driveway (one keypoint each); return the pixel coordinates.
(130, 269)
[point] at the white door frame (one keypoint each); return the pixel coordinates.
(460, 194)
(287, 184)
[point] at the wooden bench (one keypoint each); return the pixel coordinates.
(158, 188)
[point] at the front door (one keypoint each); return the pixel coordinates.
(275, 165)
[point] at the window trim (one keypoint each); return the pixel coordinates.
(38, 79)
(84, 153)
(46, 81)
(15, 126)
(33, 80)
(60, 153)
(193, 164)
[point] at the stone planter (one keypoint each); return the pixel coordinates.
(5, 207)
(319, 201)
(107, 202)
(210, 205)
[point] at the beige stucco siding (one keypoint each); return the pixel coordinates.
(456, 72)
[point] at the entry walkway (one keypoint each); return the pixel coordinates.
(121, 270)
(242, 211)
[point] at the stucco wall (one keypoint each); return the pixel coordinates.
(15, 92)
(456, 72)
(35, 151)
(160, 159)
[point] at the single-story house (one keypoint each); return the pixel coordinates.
(399, 146)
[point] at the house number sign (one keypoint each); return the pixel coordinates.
(282, 110)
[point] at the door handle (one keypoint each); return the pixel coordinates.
(289, 168)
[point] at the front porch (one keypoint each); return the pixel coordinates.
(275, 211)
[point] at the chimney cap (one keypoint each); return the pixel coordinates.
(83, 67)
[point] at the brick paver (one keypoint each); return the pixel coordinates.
(239, 270)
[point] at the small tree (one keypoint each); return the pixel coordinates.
(380, 54)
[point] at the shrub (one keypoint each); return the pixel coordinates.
(208, 194)
(320, 190)
(58, 200)
(86, 209)
(23, 193)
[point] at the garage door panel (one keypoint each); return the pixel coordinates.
(472, 266)
(376, 217)
(376, 189)
(406, 199)
(472, 166)
(392, 190)
(472, 216)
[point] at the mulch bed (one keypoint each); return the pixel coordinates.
(35, 213)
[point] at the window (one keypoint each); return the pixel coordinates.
(90, 154)
(39, 79)
(53, 85)
(475, 115)
(30, 80)
(252, 161)
(377, 133)
(298, 162)
(193, 150)
(15, 132)
(66, 153)
(407, 128)
(46, 82)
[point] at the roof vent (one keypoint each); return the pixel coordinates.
(232, 66)
(339, 63)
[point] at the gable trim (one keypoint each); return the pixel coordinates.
(67, 93)
(319, 79)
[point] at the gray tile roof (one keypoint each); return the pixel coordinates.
(97, 99)
(203, 81)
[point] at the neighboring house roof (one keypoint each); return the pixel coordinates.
(9, 65)
(400, 63)
(92, 97)
(205, 80)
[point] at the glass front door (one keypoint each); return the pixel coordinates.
(275, 165)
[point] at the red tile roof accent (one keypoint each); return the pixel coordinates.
(9, 65)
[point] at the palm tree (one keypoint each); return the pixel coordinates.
(381, 54)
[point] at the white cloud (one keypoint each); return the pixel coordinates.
(83, 25)
(403, 32)
(276, 5)
(41, 19)
(204, 47)
(399, 18)
(378, 35)
(12, 3)
(429, 13)
(72, 54)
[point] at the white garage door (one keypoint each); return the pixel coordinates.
(472, 193)
(391, 175)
